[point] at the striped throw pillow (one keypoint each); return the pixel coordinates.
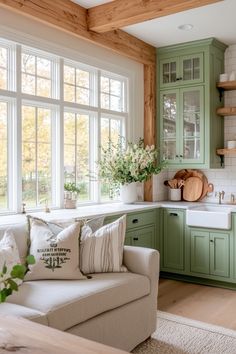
(102, 251)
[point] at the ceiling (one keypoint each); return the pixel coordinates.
(216, 20)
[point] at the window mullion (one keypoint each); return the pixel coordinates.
(98, 132)
(36, 156)
(60, 138)
(17, 170)
(76, 157)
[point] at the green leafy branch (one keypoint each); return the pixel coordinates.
(8, 284)
(71, 187)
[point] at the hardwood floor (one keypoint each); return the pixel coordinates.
(199, 302)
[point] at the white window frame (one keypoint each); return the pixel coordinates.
(17, 99)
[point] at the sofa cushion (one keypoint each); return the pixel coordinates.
(21, 236)
(70, 302)
(102, 250)
(8, 309)
(56, 251)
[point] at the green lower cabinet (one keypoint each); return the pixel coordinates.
(219, 254)
(142, 228)
(142, 237)
(173, 240)
(210, 253)
(200, 252)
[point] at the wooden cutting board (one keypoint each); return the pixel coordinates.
(192, 190)
(207, 188)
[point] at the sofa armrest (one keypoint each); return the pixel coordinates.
(144, 261)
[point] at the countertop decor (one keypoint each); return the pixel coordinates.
(121, 167)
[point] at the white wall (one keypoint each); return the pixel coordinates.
(223, 179)
(33, 33)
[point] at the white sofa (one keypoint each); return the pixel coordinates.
(117, 309)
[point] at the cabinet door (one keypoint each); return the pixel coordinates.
(191, 69)
(173, 239)
(169, 72)
(142, 237)
(192, 125)
(169, 125)
(219, 254)
(200, 252)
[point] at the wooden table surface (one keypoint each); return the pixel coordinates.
(19, 335)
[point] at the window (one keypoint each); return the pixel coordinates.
(77, 156)
(36, 75)
(112, 94)
(36, 155)
(78, 85)
(52, 126)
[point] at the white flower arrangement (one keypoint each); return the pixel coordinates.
(136, 163)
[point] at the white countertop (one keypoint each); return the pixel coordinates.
(101, 209)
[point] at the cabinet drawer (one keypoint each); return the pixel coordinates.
(143, 237)
(141, 219)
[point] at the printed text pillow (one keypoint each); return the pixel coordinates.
(56, 251)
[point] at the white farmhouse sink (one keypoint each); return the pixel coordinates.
(217, 217)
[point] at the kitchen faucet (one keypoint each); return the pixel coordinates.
(221, 196)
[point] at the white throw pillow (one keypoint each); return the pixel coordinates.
(102, 250)
(56, 251)
(94, 223)
(9, 254)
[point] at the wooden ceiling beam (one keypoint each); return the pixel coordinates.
(120, 13)
(72, 18)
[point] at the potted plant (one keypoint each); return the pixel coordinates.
(123, 167)
(70, 195)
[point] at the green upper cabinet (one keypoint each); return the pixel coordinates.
(181, 70)
(190, 131)
(182, 125)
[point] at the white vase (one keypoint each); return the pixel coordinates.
(128, 193)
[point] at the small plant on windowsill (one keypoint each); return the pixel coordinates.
(70, 195)
(10, 282)
(123, 167)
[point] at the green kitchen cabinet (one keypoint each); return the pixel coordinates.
(200, 251)
(182, 70)
(210, 253)
(173, 242)
(190, 130)
(183, 139)
(142, 228)
(142, 237)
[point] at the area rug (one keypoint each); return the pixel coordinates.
(180, 335)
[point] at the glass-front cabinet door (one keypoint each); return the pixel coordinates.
(191, 69)
(182, 125)
(192, 125)
(181, 70)
(169, 124)
(169, 71)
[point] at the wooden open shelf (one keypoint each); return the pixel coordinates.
(226, 85)
(226, 111)
(225, 151)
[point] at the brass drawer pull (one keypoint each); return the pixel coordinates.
(135, 239)
(173, 214)
(135, 221)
